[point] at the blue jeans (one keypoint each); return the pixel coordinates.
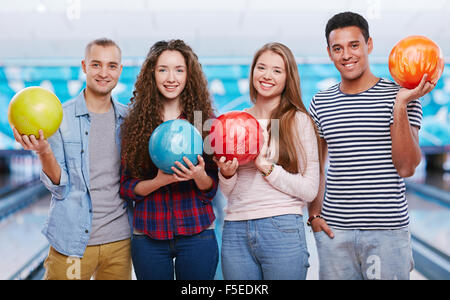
(196, 257)
(269, 248)
(365, 254)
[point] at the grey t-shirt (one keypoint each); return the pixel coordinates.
(109, 220)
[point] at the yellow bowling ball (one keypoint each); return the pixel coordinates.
(35, 108)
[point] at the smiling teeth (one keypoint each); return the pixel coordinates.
(266, 84)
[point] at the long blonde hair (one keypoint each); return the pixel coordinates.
(290, 103)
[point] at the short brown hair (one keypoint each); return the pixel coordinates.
(104, 42)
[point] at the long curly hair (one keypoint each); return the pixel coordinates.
(146, 106)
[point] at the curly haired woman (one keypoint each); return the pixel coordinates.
(173, 215)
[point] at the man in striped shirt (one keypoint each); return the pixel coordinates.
(369, 127)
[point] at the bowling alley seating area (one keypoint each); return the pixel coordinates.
(228, 83)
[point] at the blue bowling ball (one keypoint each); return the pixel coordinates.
(172, 140)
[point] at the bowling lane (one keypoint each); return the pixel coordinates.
(20, 235)
(24, 169)
(437, 178)
(21, 238)
(430, 221)
(430, 218)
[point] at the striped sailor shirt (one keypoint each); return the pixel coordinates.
(363, 189)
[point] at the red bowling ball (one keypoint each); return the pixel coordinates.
(237, 134)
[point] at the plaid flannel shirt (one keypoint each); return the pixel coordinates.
(176, 209)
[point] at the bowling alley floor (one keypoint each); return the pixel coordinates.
(21, 238)
(430, 219)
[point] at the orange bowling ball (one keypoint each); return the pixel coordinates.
(412, 58)
(35, 108)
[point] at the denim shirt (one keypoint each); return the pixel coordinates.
(68, 226)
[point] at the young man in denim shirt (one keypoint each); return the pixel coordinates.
(87, 228)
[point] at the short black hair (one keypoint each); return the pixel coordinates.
(347, 19)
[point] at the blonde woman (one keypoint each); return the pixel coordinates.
(263, 235)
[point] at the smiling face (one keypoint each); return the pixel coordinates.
(102, 68)
(269, 75)
(171, 74)
(349, 52)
